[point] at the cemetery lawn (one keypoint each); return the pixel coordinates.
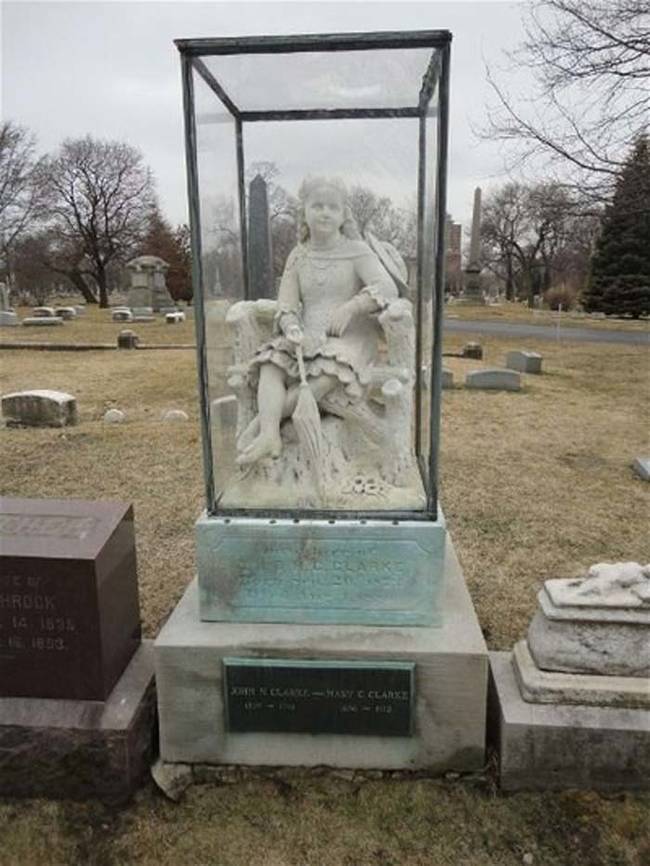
(520, 313)
(95, 327)
(534, 485)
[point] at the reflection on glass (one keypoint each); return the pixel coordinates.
(308, 80)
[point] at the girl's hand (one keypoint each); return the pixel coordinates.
(341, 318)
(294, 335)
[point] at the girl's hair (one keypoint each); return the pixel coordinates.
(349, 228)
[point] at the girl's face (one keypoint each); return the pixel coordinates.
(324, 211)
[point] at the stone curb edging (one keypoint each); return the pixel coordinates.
(174, 779)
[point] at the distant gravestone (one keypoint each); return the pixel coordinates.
(447, 378)
(66, 313)
(43, 312)
(260, 256)
(472, 290)
(641, 466)
(224, 411)
(224, 415)
(493, 379)
(148, 286)
(114, 416)
(140, 290)
(5, 304)
(175, 318)
(473, 350)
(127, 340)
(122, 316)
(39, 409)
(171, 415)
(524, 362)
(8, 318)
(42, 321)
(161, 300)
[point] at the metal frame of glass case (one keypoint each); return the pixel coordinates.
(431, 102)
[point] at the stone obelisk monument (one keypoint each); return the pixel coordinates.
(260, 254)
(472, 293)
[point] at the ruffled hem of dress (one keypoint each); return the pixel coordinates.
(325, 360)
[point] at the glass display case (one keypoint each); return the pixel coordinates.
(316, 177)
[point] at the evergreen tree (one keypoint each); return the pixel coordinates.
(173, 247)
(619, 282)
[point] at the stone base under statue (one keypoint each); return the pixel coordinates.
(370, 572)
(434, 718)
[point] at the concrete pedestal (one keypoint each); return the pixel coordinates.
(449, 703)
(79, 749)
(554, 746)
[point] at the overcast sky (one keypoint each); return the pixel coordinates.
(111, 69)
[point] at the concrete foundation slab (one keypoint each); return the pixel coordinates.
(449, 701)
(555, 746)
(80, 749)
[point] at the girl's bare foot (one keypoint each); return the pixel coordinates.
(265, 445)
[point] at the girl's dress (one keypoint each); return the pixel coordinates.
(314, 284)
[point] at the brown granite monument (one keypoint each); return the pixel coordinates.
(77, 698)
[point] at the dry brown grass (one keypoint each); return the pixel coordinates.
(538, 484)
(534, 484)
(507, 311)
(96, 326)
(303, 820)
(155, 466)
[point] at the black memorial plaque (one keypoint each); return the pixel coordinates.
(69, 613)
(342, 697)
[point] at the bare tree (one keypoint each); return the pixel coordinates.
(533, 236)
(591, 64)
(378, 214)
(503, 225)
(42, 259)
(20, 192)
(100, 194)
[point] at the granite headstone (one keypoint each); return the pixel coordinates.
(69, 614)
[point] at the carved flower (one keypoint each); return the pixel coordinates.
(362, 485)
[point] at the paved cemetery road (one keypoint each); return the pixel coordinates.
(549, 332)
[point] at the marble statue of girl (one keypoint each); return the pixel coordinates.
(331, 291)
